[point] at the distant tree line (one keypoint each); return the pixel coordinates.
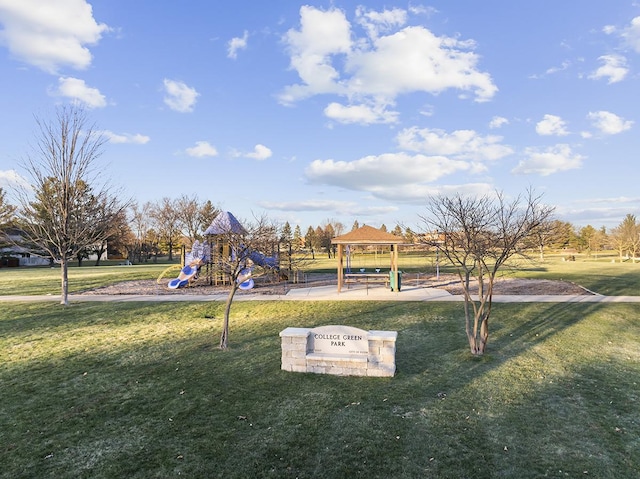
(144, 232)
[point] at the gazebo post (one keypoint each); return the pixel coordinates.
(394, 267)
(340, 266)
(368, 236)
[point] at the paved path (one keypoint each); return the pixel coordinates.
(329, 293)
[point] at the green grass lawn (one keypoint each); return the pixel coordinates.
(115, 390)
(600, 274)
(32, 281)
(603, 274)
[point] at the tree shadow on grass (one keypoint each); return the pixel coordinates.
(237, 412)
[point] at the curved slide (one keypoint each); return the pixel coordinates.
(186, 274)
(245, 281)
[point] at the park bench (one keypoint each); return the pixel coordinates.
(366, 278)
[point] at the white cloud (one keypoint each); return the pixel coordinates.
(260, 152)
(422, 10)
(418, 193)
(362, 114)
(50, 35)
(498, 122)
(548, 161)
(78, 90)
(321, 35)
(614, 68)
(339, 207)
(380, 22)
(375, 69)
(342, 207)
(609, 123)
(126, 138)
(386, 171)
(414, 59)
(615, 200)
(551, 125)
(460, 144)
(237, 43)
(631, 34)
(202, 149)
(11, 179)
(308, 205)
(179, 97)
(563, 66)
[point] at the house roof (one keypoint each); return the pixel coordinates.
(368, 235)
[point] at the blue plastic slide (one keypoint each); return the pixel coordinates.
(186, 273)
(245, 281)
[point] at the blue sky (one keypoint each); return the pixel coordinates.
(338, 110)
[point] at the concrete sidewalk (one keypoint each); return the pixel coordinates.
(329, 293)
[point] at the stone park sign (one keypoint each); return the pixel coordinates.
(338, 340)
(339, 350)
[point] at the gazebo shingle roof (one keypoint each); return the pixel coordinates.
(367, 235)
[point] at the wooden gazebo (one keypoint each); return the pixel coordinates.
(368, 236)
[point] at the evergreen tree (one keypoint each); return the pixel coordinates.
(298, 241)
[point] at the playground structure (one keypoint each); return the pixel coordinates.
(191, 263)
(210, 260)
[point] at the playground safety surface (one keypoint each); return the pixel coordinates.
(323, 289)
(449, 283)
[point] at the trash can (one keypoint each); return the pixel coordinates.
(392, 280)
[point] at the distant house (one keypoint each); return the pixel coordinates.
(12, 254)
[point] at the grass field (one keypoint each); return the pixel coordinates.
(599, 274)
(603, 274)
(140, 390)
(31, 281)
(136, 390)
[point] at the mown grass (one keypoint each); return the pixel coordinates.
(599, 275)
(112, 390)
(39, 281)
(603, 274)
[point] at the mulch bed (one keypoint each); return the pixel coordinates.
(450, 283)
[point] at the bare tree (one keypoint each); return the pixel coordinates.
(166, 221)
(245, 244)
(119, 236)
(542, 235)
(65, 209)
(478, 235)
(141, 225)
(626, 237)
(188, 210)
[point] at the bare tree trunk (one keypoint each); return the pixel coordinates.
(467, 311)
(64, 273)
(224, 337)
(100, 251)
(484, 334)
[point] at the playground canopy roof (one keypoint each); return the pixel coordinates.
(368, 235)
(224, 223)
